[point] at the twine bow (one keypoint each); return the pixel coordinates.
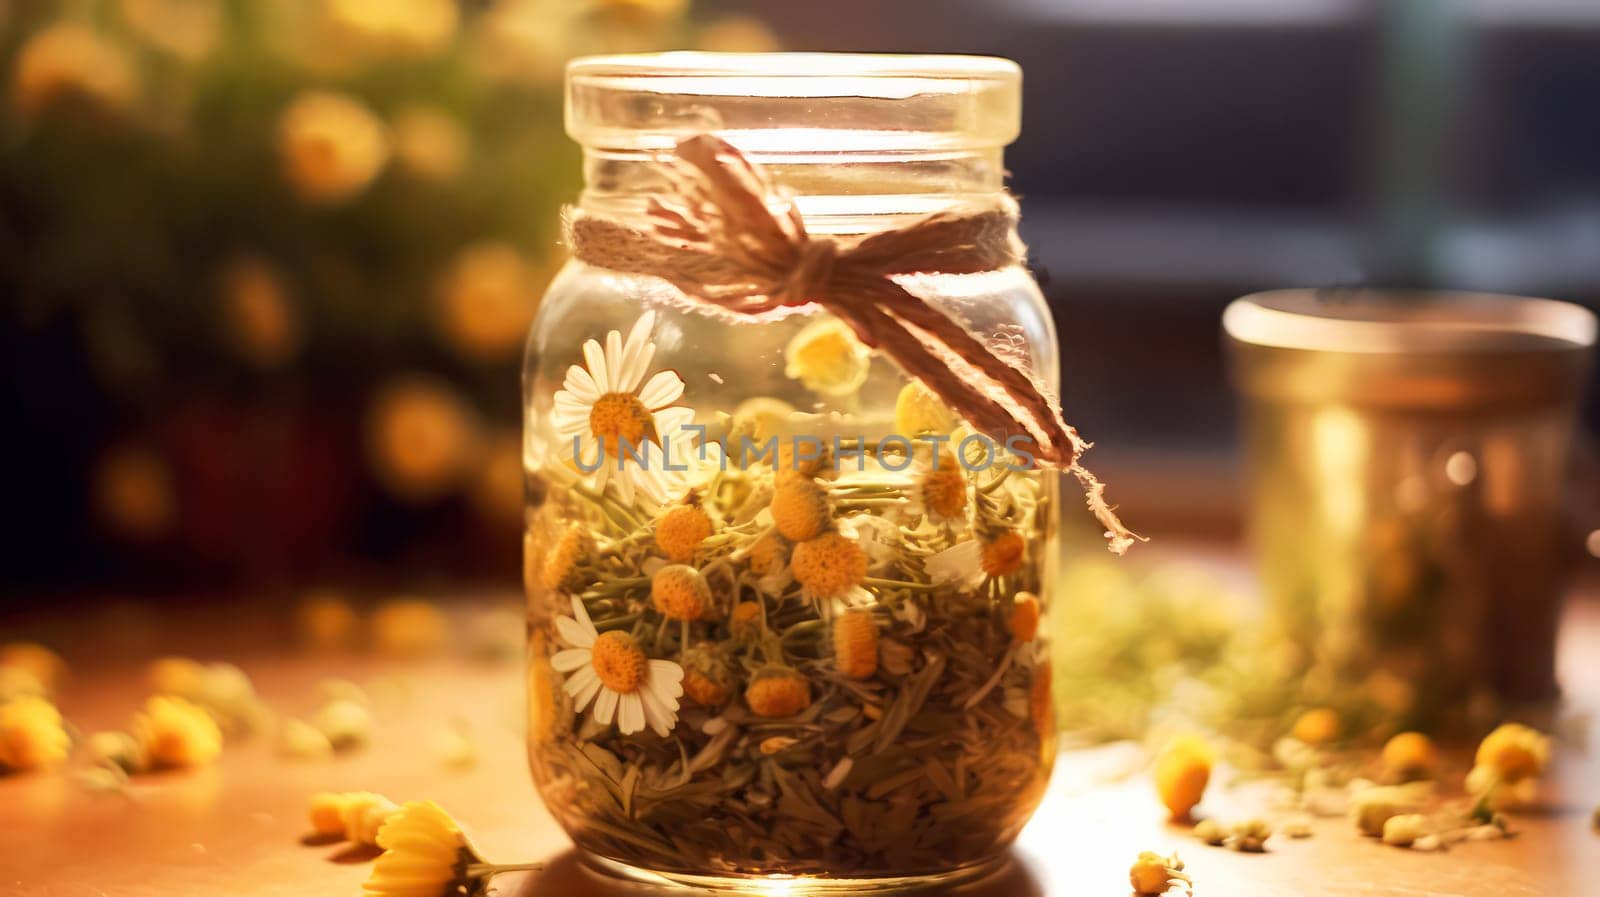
(717, 238)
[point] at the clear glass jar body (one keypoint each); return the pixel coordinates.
(823, 603)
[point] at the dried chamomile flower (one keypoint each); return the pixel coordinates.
(827, 358)
(918, 412)
(768, 554)
(299, 740)
(802, 457)
(777, 692)
(708, 678)
(1182, 770)
(101, 779)
(1512, 753)
(347, 724)
(335, 689)
(118, 749)
(1024, 619)
(681, 530)
(744, 622)
(1212, 831)
(327, 813)
(1403, 830)
(32, 734)
(176, 732)
(1317, 726)
(325, 621)
(409, 628)
(679, 592)
(1370, 808)
(181, 676)
(46, 665)
(560, 570)
(799, 509)
(1041, 705)
(1409, 757)
(1297, 827)
(363, 813)
(1250, 835)
(855, 644)
(941, 492)
(16, 682)
(1002, 554)
(1153, 873)
(425, 854)
(829, 566)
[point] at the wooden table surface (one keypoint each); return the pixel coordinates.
(237, 828)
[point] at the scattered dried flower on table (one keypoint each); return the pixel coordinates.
(363, 813)
(347, 724)
(325, 621)
(45, 665)
(1513, 752)
(175, 732)
(1317, 726)
(1409, 756)
(425, 854)
(1212, 831)
(32, 735)
(1404, 830)
(409, 628)
(116, 749)
(299, 740)
(1153, 873)
(1250, 836)
(1182, 770)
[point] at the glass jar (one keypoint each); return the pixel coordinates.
(784, 605)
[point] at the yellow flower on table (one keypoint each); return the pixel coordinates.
(175, 732)
(32, 735)
(1511, 754)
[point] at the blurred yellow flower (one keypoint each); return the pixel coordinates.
(528, 42)
(392, 27)
(487, 300)
(259, 320)
(917, 411)
(186, 28)
(325, 620)
(409, 627)
(1512, 753)
(331, 146)
(640, 10)
(827, 358)
(134, 494)
(68, 62)
(1182, 771)
(737, 33)
(421, 439)
(497, 485)
(429, 143)
(43, 664)
(175, 732)
(32, 735)
(1319, 725)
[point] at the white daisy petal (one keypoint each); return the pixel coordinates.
(581, 614)
(668, 678)
(636, 364)
(596, 360)
(661, 390)
(583, 686)
(570, 659)
(573, 633)
(624, 483)
(656, 714)
(630, 714)
(614, 362)
(580, 384)
(605, 707)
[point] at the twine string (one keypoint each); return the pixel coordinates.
(728, 240)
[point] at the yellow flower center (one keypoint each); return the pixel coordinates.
(680, 592)
(704, 690)
(944, 491)
(1003, 554)
(681, 530)
(829, 565)
(917, 410)
(618, 419)
(777, 694)
(1024, 622)
(563, 558)
(855, 644)
(1317, 726)
(745, 620)
(618, 662)
(799, 509)
(766, 555)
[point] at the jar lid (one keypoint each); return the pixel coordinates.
(795, 103)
